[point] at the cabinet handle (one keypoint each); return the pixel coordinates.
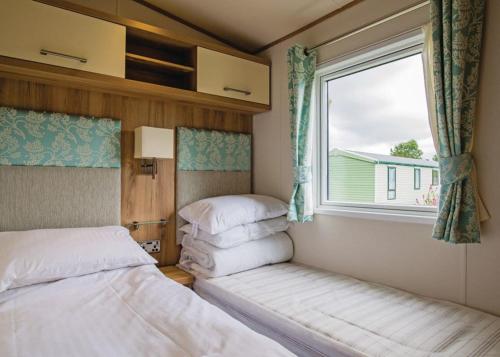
(245, 92)
(59, 54)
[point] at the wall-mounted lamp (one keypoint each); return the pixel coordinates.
(152, 144)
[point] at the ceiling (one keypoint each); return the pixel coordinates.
(250, 24)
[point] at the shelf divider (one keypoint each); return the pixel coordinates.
(158, 63)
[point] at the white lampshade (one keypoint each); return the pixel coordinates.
(157, 143)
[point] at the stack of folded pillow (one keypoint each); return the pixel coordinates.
(230, 234)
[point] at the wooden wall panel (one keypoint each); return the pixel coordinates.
(142, 197)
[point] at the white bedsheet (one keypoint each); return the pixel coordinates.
(318, 313)
(125, 312)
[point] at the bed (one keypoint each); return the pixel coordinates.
(124, 312)
(68, 288)
(318, 313)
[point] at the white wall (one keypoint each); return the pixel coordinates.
(406, 194)
(399, 254)
(483, 261)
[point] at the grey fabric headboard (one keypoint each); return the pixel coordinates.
(199, 175)
(55, 197)
(58, 170)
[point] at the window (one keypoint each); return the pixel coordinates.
(375, 148)
(435, 177)
(391, 183)
(416, 179)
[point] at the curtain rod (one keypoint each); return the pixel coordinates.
(369, 26)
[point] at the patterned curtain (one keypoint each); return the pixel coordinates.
(456, 35)
(301, 68)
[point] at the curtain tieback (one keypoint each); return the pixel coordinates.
(455, 168)
(302, 174)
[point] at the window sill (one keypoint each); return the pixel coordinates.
(418, 217)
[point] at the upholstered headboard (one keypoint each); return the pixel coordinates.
(58, 170)
(211, 163)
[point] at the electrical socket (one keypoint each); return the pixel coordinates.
(150, 246)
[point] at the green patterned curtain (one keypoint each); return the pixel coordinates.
(301, 68)
(456, 35)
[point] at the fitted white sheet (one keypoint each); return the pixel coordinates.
(318, 313)
(123, 312)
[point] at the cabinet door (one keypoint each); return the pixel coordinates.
(28, 29)
(230, 76)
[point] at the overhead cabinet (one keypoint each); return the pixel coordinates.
(229, 76)
(38, 32)
(125, 55)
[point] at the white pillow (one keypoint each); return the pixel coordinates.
(218, 214)
(214, 262)
(37, 256)
(240, 234)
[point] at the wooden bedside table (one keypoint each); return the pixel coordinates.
(178, 275)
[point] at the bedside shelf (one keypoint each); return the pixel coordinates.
(178, 275)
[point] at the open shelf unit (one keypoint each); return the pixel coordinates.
(160, 62)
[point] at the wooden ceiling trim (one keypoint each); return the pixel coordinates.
(308, 26)
(190, 24)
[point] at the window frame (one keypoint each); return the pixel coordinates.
(415, 170)
(373, 56)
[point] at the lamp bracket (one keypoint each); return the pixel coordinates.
(150, 166)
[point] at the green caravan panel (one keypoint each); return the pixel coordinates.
(350, 179)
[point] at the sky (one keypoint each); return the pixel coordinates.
(376, 109)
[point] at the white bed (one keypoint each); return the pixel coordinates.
(123, 312)
(93, 291)
(317, 313)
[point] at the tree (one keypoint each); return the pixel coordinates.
(435, 157)
(408, 149)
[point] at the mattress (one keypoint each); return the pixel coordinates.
(124, 312)
(318, 313)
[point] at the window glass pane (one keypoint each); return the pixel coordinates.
(391, 183)
(435, 177)
(417, 179)
(392, 178)
(376, 119)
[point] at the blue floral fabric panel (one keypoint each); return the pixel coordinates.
(211, 150)
(29, 138)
